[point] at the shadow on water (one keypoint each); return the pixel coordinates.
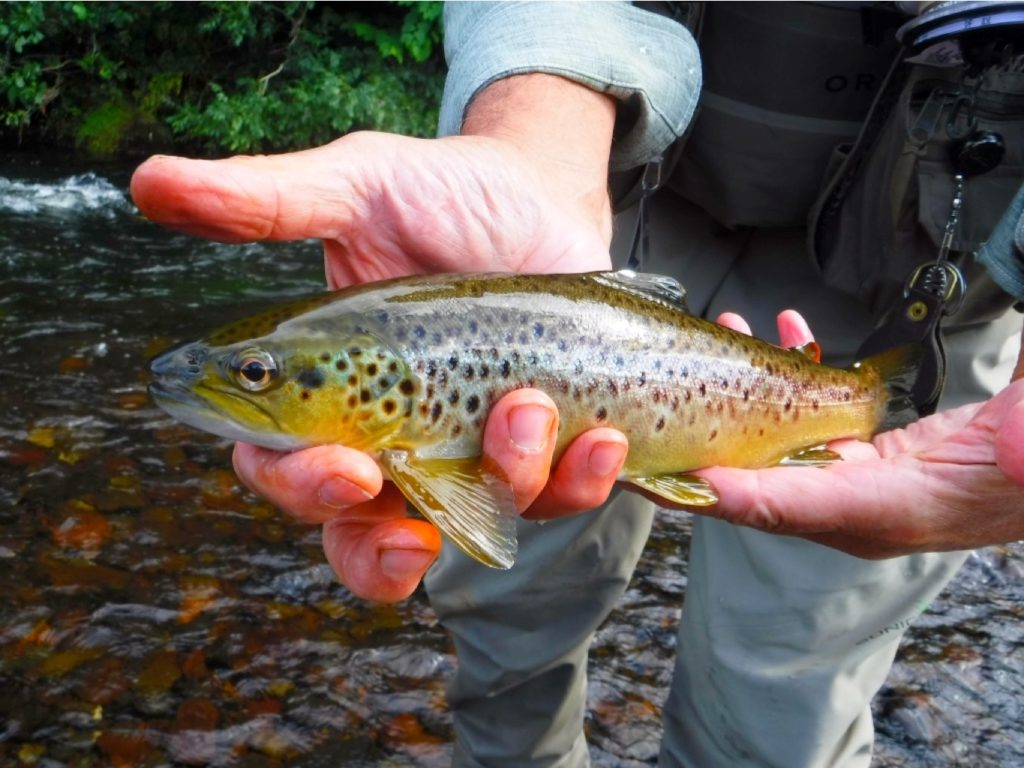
(155, 613)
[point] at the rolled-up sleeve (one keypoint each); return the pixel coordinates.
(1003, 253)
(647, 62)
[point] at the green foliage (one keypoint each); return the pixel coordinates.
(216, 76)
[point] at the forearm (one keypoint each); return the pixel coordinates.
(562, 127)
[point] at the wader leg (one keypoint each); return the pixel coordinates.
(783, 642)
(521, 636)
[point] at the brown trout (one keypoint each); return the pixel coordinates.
(408, 369)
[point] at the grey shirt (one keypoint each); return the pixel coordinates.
(650, 64)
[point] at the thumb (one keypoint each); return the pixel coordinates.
(277, 197)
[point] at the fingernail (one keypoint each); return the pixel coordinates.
(400, 564)
(529, 426)
(341, 494)
(606, 458)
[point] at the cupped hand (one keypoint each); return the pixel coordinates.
(951, 481)
(386, 206)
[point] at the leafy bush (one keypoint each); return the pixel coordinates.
(215, 76)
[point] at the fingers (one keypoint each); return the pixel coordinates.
(374, 549)
(793, 329)
(584, 476)
(382, 561)
(237, 199)
(520, 439)
(313, 485)
(734, 322)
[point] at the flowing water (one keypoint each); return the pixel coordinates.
(153, 613)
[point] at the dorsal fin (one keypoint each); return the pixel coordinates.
(661, 288)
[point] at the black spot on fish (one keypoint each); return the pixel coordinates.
(472, 404)
(602, 413)
(437, 338)
(453, 363)
(431, 369)
(702, 389)
(769, 369)
(393, 366)
(713, 435)
(473, 326)
(352, 401)
(372, 369)
(787, 405)
(419, 331)
(538, 330)
(325, 357)
(406, 387)
(453, 398)
(311, 378)
(388, 406)
(384, 382)
(643, 378)
(435, 412)
(660, 425)
(468, 371)
(364, 395)
(341, 365)
(506, 369)
(305, 395)
(352, 380)
(355, 351)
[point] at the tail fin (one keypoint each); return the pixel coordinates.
(896, 369)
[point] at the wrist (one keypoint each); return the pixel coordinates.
(560, 128)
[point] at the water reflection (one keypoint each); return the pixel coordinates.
(153, 612)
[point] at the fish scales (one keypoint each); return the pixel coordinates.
(686, 392)
(408, 370)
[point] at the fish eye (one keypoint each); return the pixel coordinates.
(254, 369)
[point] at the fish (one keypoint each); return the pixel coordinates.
(407, 370)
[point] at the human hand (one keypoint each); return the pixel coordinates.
(951, 481)
(386, 206)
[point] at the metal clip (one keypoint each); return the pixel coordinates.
(941, 279)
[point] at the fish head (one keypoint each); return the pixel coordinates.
(287, 390)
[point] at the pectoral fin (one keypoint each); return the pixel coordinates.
(472, 507)
(682, 489)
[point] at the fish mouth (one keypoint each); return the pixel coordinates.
(184, 404)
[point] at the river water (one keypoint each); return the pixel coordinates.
(153, 613)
